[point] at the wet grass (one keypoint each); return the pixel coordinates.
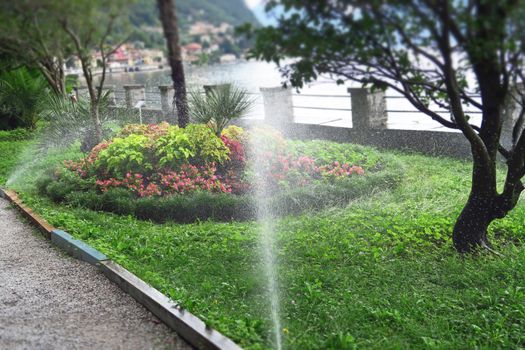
(377, 274)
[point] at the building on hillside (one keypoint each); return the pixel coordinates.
(205, 28)
(152, 56)
(118, 58)
(191, 51)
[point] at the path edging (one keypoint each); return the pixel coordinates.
(187, 325)
(76, 248)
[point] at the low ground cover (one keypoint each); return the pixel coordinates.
(379, 273)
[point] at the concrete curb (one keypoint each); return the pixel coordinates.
(76, 248)
(188, 326)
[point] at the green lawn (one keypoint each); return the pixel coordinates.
(378, 274)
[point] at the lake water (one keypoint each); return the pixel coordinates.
(329, 106)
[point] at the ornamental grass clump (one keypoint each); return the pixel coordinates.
(220, 105)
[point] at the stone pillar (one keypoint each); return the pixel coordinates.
(166, 103)
(134, 93)
(82, 92)
(165, 100)
(368, 109)
(511, 113)
(278, 106)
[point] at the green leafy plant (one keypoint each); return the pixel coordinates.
(195, 144)
(207, 147)
(174, 148)
(152, 149)
(219, 106)
(123, 155)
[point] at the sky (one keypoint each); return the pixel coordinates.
(252, 3)
(257, 7)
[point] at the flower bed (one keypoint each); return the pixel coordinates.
(189, 174)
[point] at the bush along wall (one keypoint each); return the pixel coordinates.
(166, 173)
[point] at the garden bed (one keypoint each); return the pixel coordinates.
(164, 173)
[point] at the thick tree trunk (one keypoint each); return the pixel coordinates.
(484, 205)
(470, 230)
(168, 18)
(180, 95)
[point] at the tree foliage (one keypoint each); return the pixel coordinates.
(429, 51)
(30, 35)
(95, 27)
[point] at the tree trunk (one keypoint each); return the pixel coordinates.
(95, 108)
(95, 111)
(55, 77)
(168, 18)
(470, 230)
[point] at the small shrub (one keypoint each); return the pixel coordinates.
(207, 147)
(196, 206)
(58, 190)
(118, 201)
(88, 200)
(130, 154)
(155, 148)
(189, 178)
(66, 122)
(235, 133)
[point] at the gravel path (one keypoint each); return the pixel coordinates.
(51, 301)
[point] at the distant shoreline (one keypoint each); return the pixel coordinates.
(144, 68)
(122, 70)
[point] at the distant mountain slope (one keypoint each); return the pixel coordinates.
(144, 12)
(267, 18)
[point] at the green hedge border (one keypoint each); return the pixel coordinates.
(226, 207)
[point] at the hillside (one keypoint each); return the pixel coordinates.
(235, 12)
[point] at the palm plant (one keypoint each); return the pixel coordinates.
(22, 97)
(219, 106)
(68, 122)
